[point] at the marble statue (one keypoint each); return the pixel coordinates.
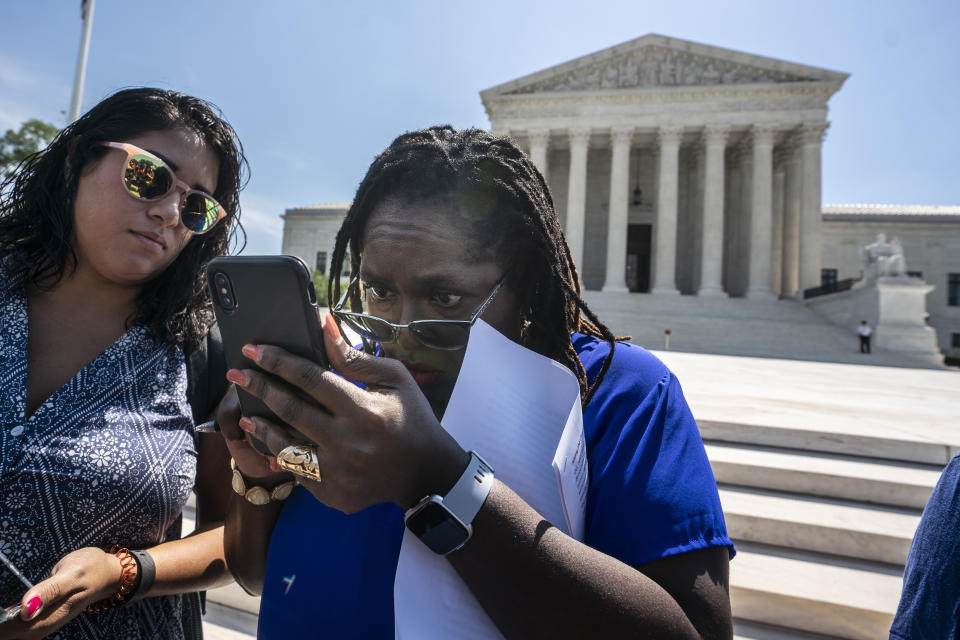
(884, 258)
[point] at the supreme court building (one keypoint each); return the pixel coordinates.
(678, 167)
(682, 168)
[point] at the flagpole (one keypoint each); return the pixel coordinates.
(81, 61)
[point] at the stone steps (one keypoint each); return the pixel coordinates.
(813, 592)
(825, 525)
(826, 438)
(226, 623)
(738, 326)
(884, 482)
(746, 630)
(821, 536)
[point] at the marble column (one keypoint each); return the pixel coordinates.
(761, 214)
(664, 271)
(711, 262)
(616, 278)
(793, 182)
(577, 194)
(539, 145)
(739, 247)
(811, 140)
(776, 265)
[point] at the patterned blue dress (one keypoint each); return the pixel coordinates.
(108, 459)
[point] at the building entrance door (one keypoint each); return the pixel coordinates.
(638, 257)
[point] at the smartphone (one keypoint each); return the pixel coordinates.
(10, 613)
(265, 300)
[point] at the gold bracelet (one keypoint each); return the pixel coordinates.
(258, 495)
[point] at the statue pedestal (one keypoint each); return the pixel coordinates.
(896, 308)
(902, 314)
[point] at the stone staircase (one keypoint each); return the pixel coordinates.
(823, 471)
(738, 326)
(822, 537)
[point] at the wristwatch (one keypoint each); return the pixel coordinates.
(444, 524)
(257, 495)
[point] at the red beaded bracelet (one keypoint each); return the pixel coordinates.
(128, 578)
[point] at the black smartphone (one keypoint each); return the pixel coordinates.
(265, 300)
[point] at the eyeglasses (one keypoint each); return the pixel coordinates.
(447, 335)
(146, 177)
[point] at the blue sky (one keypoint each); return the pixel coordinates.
(317, 89)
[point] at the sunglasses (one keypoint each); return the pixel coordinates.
(148, 178)
(446, 335)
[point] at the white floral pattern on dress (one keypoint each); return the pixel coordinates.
(108, 459)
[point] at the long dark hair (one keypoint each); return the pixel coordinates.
(520, 228)
(37, 200)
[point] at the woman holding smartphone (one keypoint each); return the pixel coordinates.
(103, 241)
(448, 227)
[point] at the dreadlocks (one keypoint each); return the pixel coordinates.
(520, 225)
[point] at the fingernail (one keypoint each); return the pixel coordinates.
(252, 351)
(33, 606)
(273, 464)
(246, 424)
(334, 330)
(237, 377)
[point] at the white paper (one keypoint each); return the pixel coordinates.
(570, 467)
(521, 412)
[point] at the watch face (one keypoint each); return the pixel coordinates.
(437, 528)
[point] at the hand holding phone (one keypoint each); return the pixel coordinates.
(265, 300)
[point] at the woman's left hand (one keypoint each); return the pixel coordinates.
(374, 445)
(82, 577)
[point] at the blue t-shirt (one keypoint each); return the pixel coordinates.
(652, 494)
(930, 602)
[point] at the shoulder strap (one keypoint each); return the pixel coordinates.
(206, 384)
(206, 371)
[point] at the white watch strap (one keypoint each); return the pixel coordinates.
(470, 491)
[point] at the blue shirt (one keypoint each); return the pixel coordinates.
(652, 494)
(930, 602)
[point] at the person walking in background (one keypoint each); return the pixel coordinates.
(864, 331)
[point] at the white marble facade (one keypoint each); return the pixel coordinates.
(930, 237)
(724, 148)
(310, 232)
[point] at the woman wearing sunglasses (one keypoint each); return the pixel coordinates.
(448, 227)
(103, 241)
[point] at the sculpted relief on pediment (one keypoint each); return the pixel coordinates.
(658, 67)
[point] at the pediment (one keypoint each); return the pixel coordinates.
(654, 61)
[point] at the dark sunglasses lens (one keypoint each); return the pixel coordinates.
(440, 335)
(147, 179)
(199, 212)
(369, 327)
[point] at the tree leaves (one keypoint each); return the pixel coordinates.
(34, 135)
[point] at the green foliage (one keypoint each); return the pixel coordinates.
(320, 281)
(34, 135)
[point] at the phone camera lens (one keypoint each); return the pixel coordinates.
(223, 291)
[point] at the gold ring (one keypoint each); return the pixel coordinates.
(301, 460)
